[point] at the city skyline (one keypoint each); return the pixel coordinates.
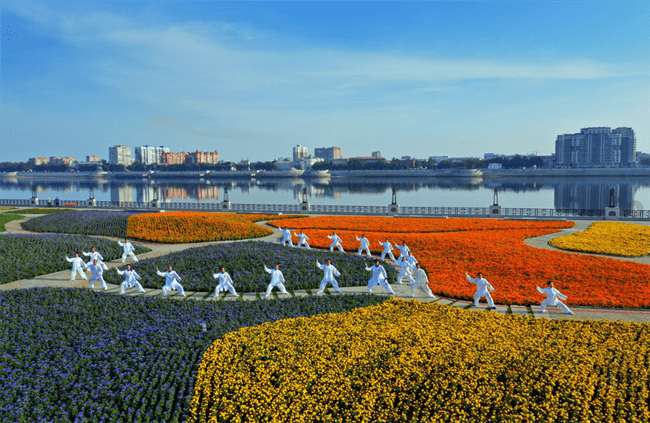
(251, 80)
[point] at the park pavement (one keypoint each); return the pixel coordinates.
(62, 279)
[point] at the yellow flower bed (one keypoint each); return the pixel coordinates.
(613, 238)
(410, 361)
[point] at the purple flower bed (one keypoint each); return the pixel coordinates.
(245, 262)
(83, 222)
(72, 355)
(26, 256)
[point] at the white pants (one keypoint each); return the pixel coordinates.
(372, 283)
(284, 242)
(73, 275)
(558, 303)
(130, 255)
(175, 285)
(389, 253)
(305, 244)
(425, 288)
(100, 279)
(324, 283)
(337, 246)
(366, 249)
(487, 295)
(403, 275)
(126, 285)
(223, 287)
(280, 287)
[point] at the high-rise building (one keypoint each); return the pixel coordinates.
(328, 154)
(299, 152)
(199, 157)
(120, 154)
(594, 147)
(92, 158)
(173, 158)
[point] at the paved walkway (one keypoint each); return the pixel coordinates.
(61, 279)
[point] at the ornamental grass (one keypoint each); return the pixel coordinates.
(406, 361)
(613, 238)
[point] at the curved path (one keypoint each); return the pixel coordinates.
(61, 279)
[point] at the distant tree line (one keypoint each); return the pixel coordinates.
(515, 162)
(134, 167)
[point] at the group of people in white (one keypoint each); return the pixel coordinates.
(409, 269)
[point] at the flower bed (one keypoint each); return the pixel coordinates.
(511, 266)
(613, 238)
(245, 262)
(75, 355)
(86, 223)
(41, 211)
(410, 361)
(27, 256)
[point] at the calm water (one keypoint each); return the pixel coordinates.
(547, 193)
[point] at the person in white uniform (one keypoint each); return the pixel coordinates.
(277, 279)
(225, 283)
(365, 245)
(94, 255)
(552, 295)
(303, 240)
(405, 271)
(128, 250)
(403, 250)
(482, 287)
(379, 277)
(98, 274)
(172, 281)
(336, 242)
(328, 276)
(287, 237)
(131, 279)
(77, 266)
(421, 281)
(388, 250)
(411, 259)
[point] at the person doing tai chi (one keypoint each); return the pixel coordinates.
(171, 281)
(552, 295)
(388, 250)
(94, 255)
(303, 240)
(131, 279)
(365, 245)
(421, 281)
(404, 250)
(328, 276)
(77, 266)
(405, 270)
(98, 274)
(482, 286)
(277, 279)
(287, 237)
(225, 283)
(379, 277)
(336, 242)
(411, 259)
(128, 250)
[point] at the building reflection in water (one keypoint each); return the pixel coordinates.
(583, 195)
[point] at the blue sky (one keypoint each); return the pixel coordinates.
(252, 80)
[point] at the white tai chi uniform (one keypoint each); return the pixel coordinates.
(405, 271)
(365, 245)
(225, 283)
(482, 286)
(287, 237)
(171, 282)
(412, 260)
(277, 279)
(98, 275)
(95, 256)
(128, 251)
(303, 241)
(130, 281)
(330, 272)
(379, 277)
(388, 249)
(403, 250)
(77, 265)
(552, 296)
(421, 281)
(336, 242)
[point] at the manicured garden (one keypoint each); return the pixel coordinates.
(6, 218)
(245, 262)
(612, 238)
(415, 362)
(73, 355)
(24, 256)
(82, 222)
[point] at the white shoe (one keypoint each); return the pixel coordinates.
(571, 313)
(267, 296)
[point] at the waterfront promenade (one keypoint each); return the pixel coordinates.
(61, 279)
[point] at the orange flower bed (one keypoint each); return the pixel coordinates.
(510, 265)
(181, 227)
